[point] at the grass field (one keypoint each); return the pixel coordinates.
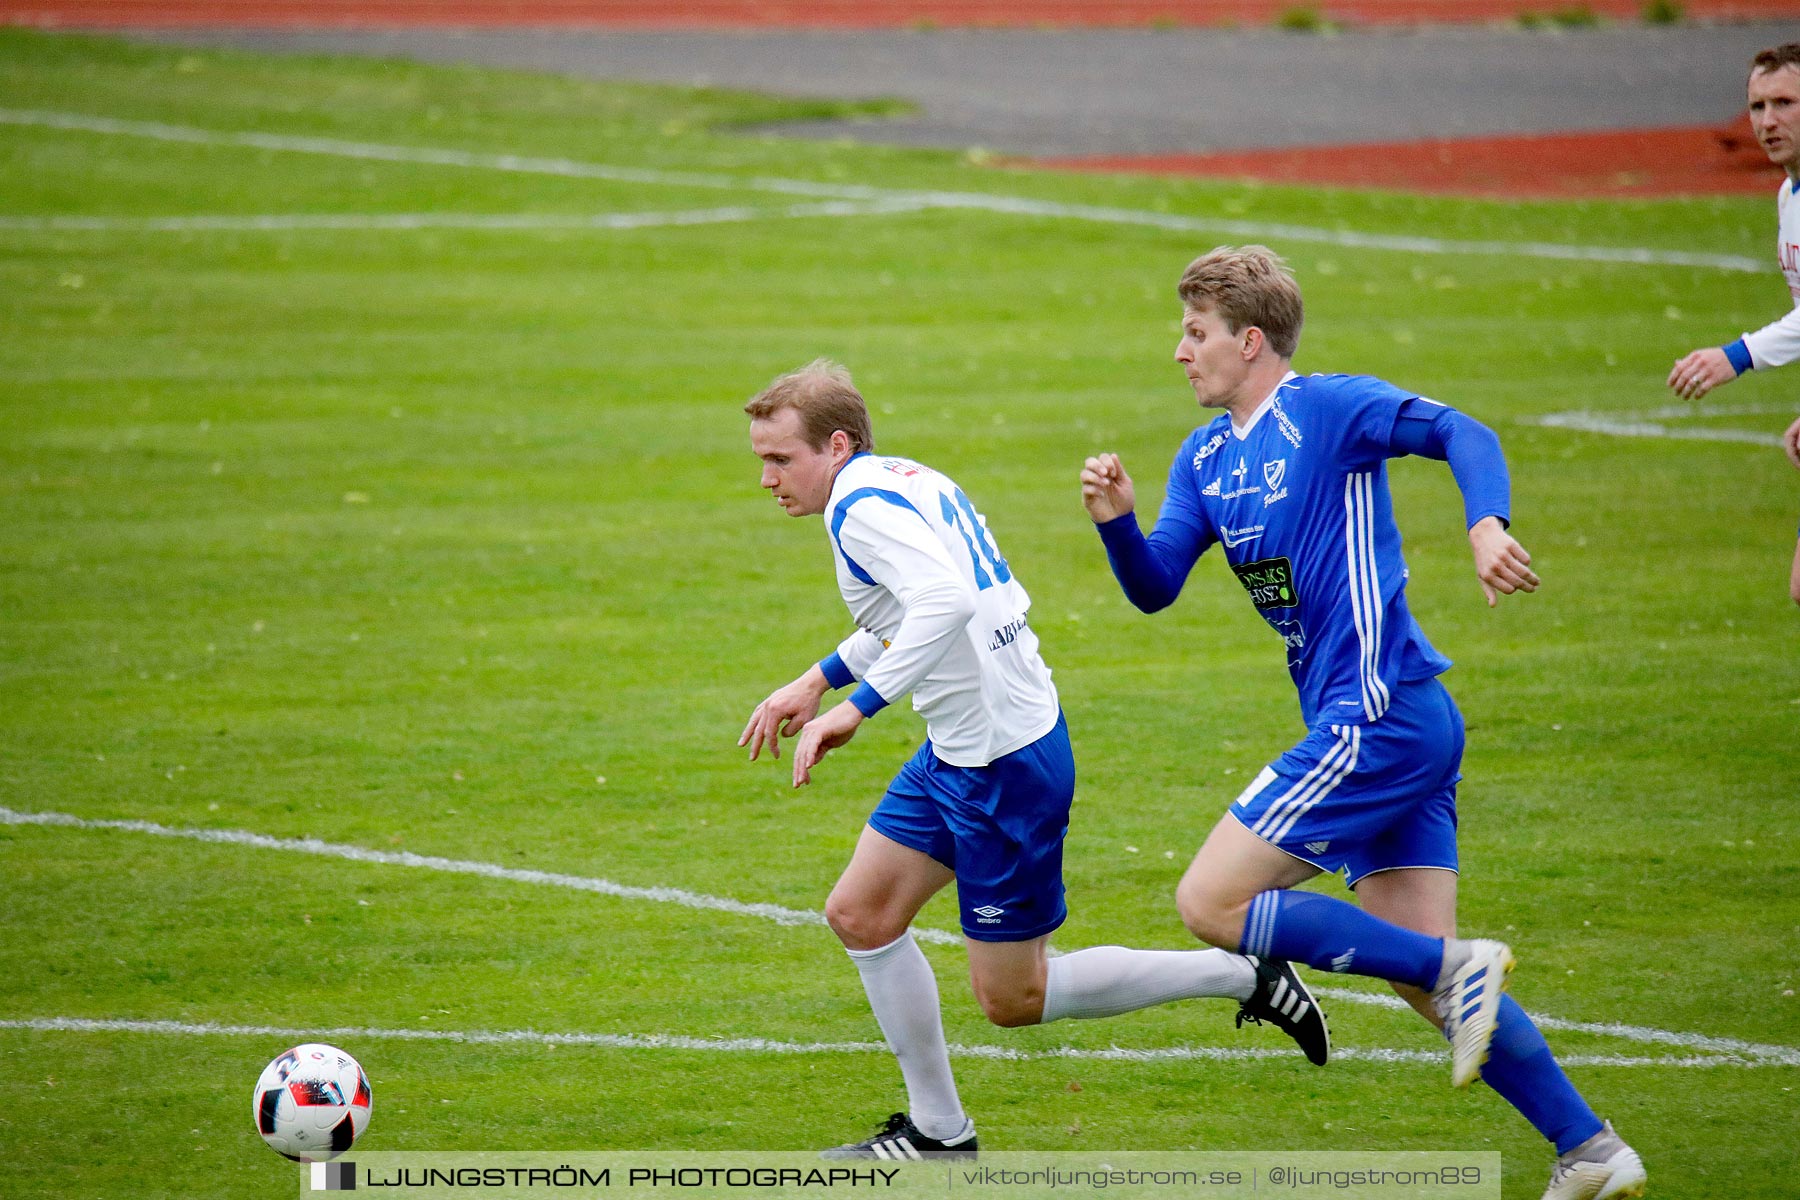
(442, 539)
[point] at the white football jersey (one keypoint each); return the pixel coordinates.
(939, 612)
(1778, 342)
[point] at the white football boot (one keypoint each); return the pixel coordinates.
(1468, 999)
(1601, 1168)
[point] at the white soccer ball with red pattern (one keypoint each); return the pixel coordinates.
(311, 1103)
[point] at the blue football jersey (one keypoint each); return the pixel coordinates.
(1299, 501)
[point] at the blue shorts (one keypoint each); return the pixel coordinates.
(999, 827)
(1366, 798)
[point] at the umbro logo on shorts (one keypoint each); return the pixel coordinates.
(988, 910)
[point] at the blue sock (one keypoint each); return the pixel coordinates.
(1330, 935)
(1521, 1068)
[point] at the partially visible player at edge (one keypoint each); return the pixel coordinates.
(1775, 119)
(985, 801)
(1291, 479)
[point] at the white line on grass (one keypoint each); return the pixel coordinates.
(1014, 205)
(1653, 423)
(267, 222)
(1777, 1055)
(605, 887)
(633, 1041)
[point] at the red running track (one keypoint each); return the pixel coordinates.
(867, 14)
(1703, 161)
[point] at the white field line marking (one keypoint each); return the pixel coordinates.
(267, 222)
(1730, 1047)
(631, 1041)
(1780, 1055)
(1014, 205)
(605, 887)
(1651, 424)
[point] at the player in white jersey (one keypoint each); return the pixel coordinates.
(1774, 104)
(986, 799)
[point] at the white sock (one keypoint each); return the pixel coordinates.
(903, 992)
(1108, 980)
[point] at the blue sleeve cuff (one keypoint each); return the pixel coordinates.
(836, 673)
(868, 701)
(1738, 355)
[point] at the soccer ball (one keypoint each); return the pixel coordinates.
(311, 1103)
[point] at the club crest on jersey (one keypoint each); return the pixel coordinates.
(1273, 474)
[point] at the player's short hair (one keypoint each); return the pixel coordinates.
(1775, 57)
(821, 392)
(1247, 285)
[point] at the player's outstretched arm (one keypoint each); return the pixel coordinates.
(1790, 441)
(1106, 489)
(1501, 563)
(1700, 371)
(784, 712)
(823, 735)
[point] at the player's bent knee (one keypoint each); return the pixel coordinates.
(861, 925)
(1012, 1007)
(1207, 916)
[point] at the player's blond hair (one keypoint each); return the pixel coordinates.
(1247, 285)
(1776, 57)
(821, 392)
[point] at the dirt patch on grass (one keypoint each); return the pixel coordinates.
(1699, 161)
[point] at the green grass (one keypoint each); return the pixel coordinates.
(405, 539)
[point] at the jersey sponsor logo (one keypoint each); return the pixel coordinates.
(1211, 489)
(1205, 452)
(1270, 582)
(1234, 538)
(901, 466)
(1289, 430)
(1293, 636)
(1242, 488)
(1007, 633)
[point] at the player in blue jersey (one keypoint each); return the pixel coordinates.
(986, 799)
(1290, 480)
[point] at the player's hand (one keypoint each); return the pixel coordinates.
(1500, 561)
(1106, 489)
(1790, 441)
(1701, 372)
(784, 712)
(823, 735)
